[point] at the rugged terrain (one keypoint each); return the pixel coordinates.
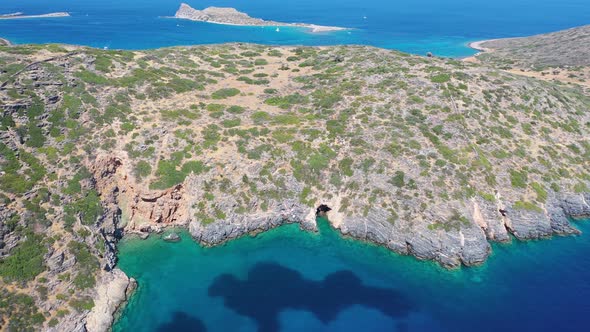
(429, 157)
(231, 16)
(561, 57)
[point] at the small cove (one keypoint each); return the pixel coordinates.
(287, 279)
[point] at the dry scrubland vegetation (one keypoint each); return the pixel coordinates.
(369, 128)
(563, 56)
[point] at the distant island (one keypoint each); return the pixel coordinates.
(231, 16)
(20, 15)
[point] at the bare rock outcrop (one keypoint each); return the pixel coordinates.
(113, 291)
(238, 225)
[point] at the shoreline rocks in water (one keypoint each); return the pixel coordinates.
(231, 16)
(172, 237)
(111, 293)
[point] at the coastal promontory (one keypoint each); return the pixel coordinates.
(232, 16)
(429, 157)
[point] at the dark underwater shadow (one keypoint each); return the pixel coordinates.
(182, 322)
(271, 288)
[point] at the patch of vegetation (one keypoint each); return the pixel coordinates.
(454, 222)
(540, 191)
(18, 312)
(518, 179)
(82, 304)
(87, 263)
(91, 78)
(440, 78)
(170, 174)
(287, 102)
(25, 261)
(225, 93)
(143, 169)
(524, 205)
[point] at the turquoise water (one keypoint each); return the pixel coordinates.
(443, 27)
(291, 280)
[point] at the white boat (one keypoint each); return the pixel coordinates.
(278, 30)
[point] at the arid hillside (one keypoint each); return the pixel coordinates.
(428, 157)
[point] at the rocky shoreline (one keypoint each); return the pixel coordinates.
(414, 157)
(468, 247)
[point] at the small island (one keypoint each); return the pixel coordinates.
(231, 16)
(20, 15)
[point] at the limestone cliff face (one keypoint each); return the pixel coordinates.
(113, 291)
(143, 211)
(464, 243)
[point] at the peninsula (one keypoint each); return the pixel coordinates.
(429, 157)
(20, 15)
(231, 16)
(561, 56)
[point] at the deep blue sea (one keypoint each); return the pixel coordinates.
(443, 27)
(292, 280)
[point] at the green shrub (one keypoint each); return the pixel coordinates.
(231, 123)
(87, 264)
(398, 179)
(91, 78)
(318, 162)
(440, 78)
(346, 166)
(36, 136)
(540, 191)
(235, 109)
(518, 179)
(18, 312)
(169, 175)
(225, 93)
(286, 119)
(82, 304)
(287, 101)
(143, 169)
(522, 205)
(260, 62)
(89, 207)
(25, 261)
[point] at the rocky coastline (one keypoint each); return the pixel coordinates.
(5, 42)
(425, 156)
(231, 16)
